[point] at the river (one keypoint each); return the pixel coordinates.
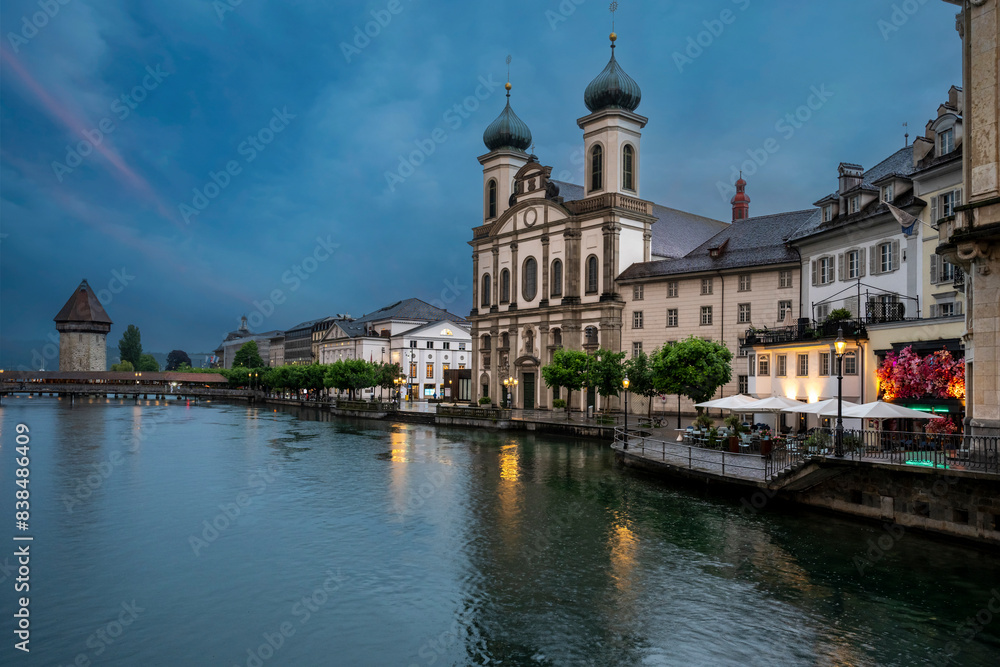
(222, 534)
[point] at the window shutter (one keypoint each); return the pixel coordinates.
(861, 262)
(958, 197)
(840, 266)
(852, 305)
(814, 278)
(935, 269)
(958, 307)
(874, 260)
(934, 210)
(895, 254)
(934, 310)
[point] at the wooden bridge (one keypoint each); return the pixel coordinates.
(115, 383)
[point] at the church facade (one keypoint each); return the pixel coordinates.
(546, 258)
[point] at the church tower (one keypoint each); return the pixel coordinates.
(507, 138)
(740, 201)
(612, 131)
(83, 327)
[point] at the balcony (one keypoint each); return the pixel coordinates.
(609, 200)
(805, 332)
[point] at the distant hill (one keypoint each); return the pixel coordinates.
(44, 354)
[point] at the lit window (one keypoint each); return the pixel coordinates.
(637, 292)
(744, 313)
(706, 285)
(628, 168)
(671, 317)
(706, 315)
(803, 365)
(430, 371)
(744, 282)
(413, 369)
(672, 289)
(637, 319)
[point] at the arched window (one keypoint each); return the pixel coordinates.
(592, 274)
(504, 286)
(484, 299)
(557, 277)
(628, 167)
(491, 199)
(596, 167)
(529, 285)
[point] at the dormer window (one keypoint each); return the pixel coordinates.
(828, 213)
(887, 195)
(854, 204)
(946, 141)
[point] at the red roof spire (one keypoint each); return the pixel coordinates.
(740, 201)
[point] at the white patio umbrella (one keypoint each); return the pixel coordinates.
(880, 410)
(820, 407)
(775, 404)
(735, 402)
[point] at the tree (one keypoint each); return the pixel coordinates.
(130, 346)
(350, 375)
(569, 369)
(694, 367)
(606, 373)
(248, 356)
(386, 375)
(175, 359)
(148, 364)
(123, 366)
(640, 378)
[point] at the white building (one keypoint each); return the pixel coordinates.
(424, 340)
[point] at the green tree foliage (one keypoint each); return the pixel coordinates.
(694, 367)
(386, 375)
(175, 359)
(123, 366)
(569, 369)
(350, 375)
(248, 356)
(130, 346)
(607, 372)
(640, 378)
(148, 364)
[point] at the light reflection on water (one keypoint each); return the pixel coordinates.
(445, 547)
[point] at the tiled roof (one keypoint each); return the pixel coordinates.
(674, 234)
(411, 309)
(757, 241)
(304, 325)
(83, 306)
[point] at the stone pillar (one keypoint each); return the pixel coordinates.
(477, 372)
(495, 382)
(647, 238)
(545, 270)
(612, 234)
(475, 282)
(571, 269)
(495, 299)
(513, 276)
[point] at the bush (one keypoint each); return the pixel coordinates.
(704, 421)
(559, 403)
(485, 400)
(839, 315)
(735, 424)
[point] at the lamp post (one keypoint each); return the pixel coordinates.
(509, 385)
(625, 387)
(840, 345)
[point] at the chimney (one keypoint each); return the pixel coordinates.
(849, 176)
(740, 201)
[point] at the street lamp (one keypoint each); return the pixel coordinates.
(625, 387)
(509, 384)
(840, 345)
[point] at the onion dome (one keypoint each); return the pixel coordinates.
(612, 88)
(507, 131)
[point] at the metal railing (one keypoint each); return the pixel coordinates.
(802, 332)
(930, 450)
(472, 413)
(367, 406)
(692, 457)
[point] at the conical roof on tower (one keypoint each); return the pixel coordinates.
(83, 307)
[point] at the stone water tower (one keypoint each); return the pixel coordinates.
(83, 327)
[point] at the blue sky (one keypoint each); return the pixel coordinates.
(237, 151)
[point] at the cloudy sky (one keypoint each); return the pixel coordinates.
(193, 159)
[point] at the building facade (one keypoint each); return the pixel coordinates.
(234, 340)
(547, 255)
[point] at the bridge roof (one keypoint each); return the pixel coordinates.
(83, 306)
